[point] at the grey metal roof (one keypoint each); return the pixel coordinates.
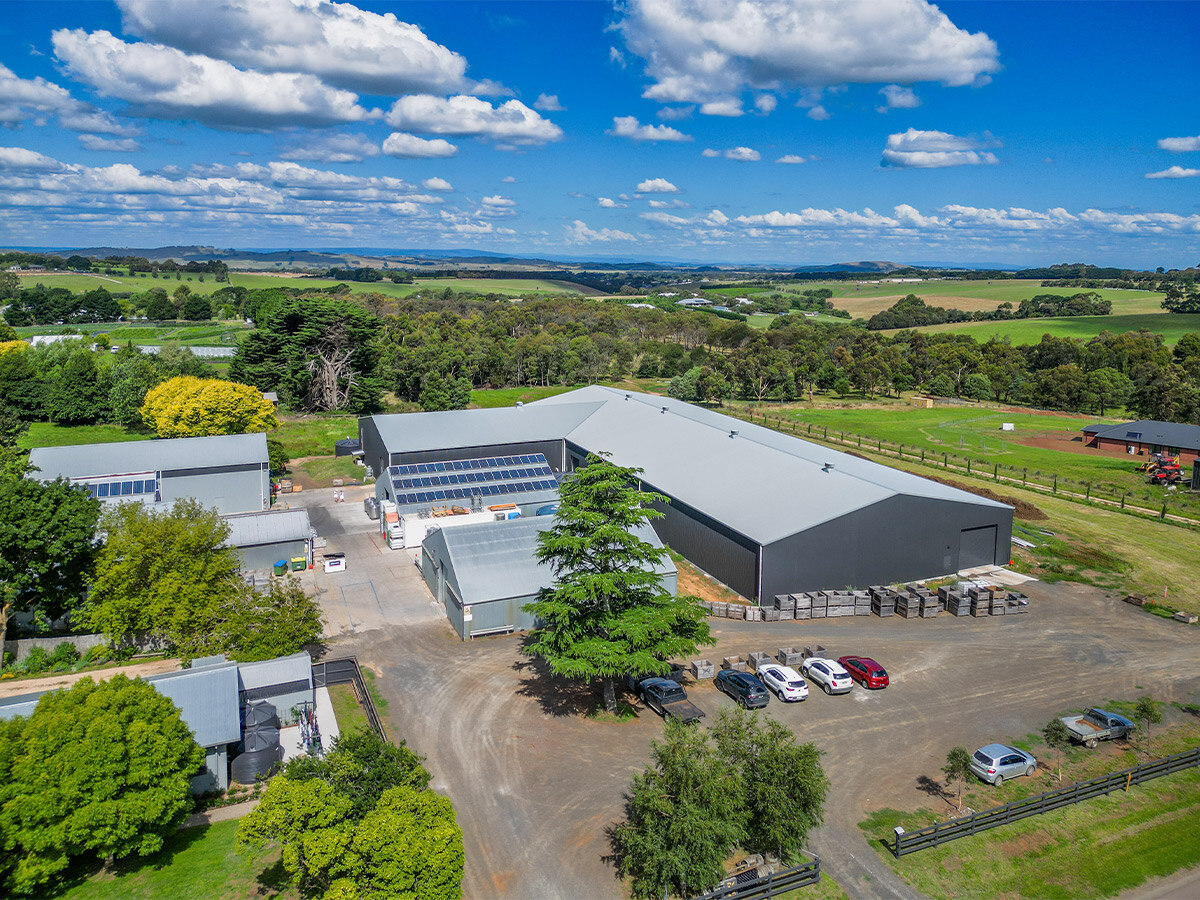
(96, 460)
(1148, 431)
(19, 705)
(282, 670)
(761, 483)
(207, 699)
(268, 527)
(403, 432)
(495, 560)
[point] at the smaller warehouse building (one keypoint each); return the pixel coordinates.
(231, 473)
(263, 538)
(1146, 436)
(484, 574)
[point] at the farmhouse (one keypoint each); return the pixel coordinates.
(1147, 436)
(762, 512)
(229, 472)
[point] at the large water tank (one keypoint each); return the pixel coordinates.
(246, 767)
(260, 713)
(347, 447)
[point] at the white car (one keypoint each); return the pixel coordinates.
(783, 680)
(829, 674)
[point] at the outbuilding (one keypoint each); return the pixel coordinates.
(263, 538)
(484, 574)
(1147, 436)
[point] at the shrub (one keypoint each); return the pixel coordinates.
(64, 654)
(36, 661)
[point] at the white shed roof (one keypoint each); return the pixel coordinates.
(98, 460)
(268, 527)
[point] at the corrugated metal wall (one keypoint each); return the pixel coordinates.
(231, 489)
(728, 557)
(264, 556)
(899, 539)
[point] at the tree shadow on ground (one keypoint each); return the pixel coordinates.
(556, 695)
(927, 785)
(273, 880)
(86, 867)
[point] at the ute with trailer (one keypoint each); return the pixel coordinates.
(667, 698)
(1097, 725)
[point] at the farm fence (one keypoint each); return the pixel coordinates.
(943, 832)
(1179, 508)
(751, 886)
(345, 670)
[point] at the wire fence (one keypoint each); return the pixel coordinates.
(1179, 507)
(752, 886)
(941, 832)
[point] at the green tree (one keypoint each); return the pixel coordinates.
(684, 816)
(941, 386)
(1148, 712)
(47, 545)
(159, 306)
(76, 395)
(196, 308)
(278, 456)
(440, 392)
(131, 375)
(252, 625)
(958, 769)
(607, 613)
(186, 406)
(360, 822)
(783, 784)
(98, 770)
(10, 284)
(1058, 738)
(164, 573)
(977, 386)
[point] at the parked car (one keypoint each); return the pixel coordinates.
(830, 675)
(783, 680)
(996, 762)
(1096, 725)
(668, 699)
(865, 671)
(743, 688)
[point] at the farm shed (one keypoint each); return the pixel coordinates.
(1145, 436)
(262, 538)
(484, 574)
(763, 512)
(228, 472)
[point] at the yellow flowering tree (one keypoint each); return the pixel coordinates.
(187, 406)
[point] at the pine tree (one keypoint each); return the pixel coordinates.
(607, 613)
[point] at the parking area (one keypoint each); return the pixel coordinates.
(535, 783)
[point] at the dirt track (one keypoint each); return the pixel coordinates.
(15, 687)
(535, 784)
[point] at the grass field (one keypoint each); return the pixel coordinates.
(490, 399)
(315, 434)
(44, 434)
(346, 709)
(207, 334)
(1171, 326)
(196, 863)
(516, 287)
(1097, 848)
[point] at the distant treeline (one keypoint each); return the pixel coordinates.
(912, 311)
(112, 265)
(370, 275)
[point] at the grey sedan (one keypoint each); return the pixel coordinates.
(995, 762)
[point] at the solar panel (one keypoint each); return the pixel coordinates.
(461, 479)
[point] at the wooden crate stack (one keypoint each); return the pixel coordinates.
(819, 605)
(981, 601)
(1017, 603)
(908, 606)
(802, 605)
(883, 601)
(954, 602)
(838, 603)
(786, 605)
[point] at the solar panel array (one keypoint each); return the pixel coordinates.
(462, 479)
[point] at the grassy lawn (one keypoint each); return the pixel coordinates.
(45, 434)
(1029, 331)
(314, 435)
(1097, 848)
(322, 471)
(346, 708)
(490, 399)
(203, 334)
(197, 863)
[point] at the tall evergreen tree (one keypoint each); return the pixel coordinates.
(607, 613)
(76, 394)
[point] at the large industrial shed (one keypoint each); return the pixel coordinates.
(763, 512)
(228, 472)
(484, 574)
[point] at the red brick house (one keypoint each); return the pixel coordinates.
(1143, 437)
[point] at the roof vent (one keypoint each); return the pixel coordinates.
(828, 467)
(519, 404)
(733, 432)
(664, 410)
(627, 396)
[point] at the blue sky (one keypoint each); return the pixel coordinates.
(760, 131)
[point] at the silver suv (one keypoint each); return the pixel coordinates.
(995, 762)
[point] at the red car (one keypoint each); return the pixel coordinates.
(865, 671)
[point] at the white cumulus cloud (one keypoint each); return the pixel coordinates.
(656, 186)
(1174, 172)
(896, 96)
(497, 201)
(548, 103)
(914, 149)
(463, 115)
(437, 184)
(332, 148)
(579, 233)
(159, 78)
(791, 159)
(110, 145)
(1180, 144)
(629, 127)
(818, 113)
(338, 42)
(609, 203)
(409, 146)
(712, 51)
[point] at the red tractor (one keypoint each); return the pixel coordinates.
(1167, 473)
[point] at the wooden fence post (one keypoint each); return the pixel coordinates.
(1054, 489)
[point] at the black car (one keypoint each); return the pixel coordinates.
(743, 688)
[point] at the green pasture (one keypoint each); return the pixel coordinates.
(196, 862)
(491, 398)
(1171, 326)
(1012, 290)
(202, 334)
(44, 434)
(314, 434)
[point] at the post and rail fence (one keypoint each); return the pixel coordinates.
(906, 842)
(751, 886)
(1181, 508)
(345, 670)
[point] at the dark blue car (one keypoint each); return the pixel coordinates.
(743, 688)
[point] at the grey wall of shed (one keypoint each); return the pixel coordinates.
(263, 556)
(374, 452)
(215, 776)
(729, 557)
(231, 489)
(899, 539)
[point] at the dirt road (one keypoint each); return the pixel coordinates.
(15, 687)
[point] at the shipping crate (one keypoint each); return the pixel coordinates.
(733, 662)
(785, 602)
(758, 657)
(815, 613)
(817, 650)
(998, 607)
(930, 611)
(978, 593)
(980, 608)
(758, 614)
(773, 615)
(789, 656)
(701, 669)
(883, 607)
(836, 611)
